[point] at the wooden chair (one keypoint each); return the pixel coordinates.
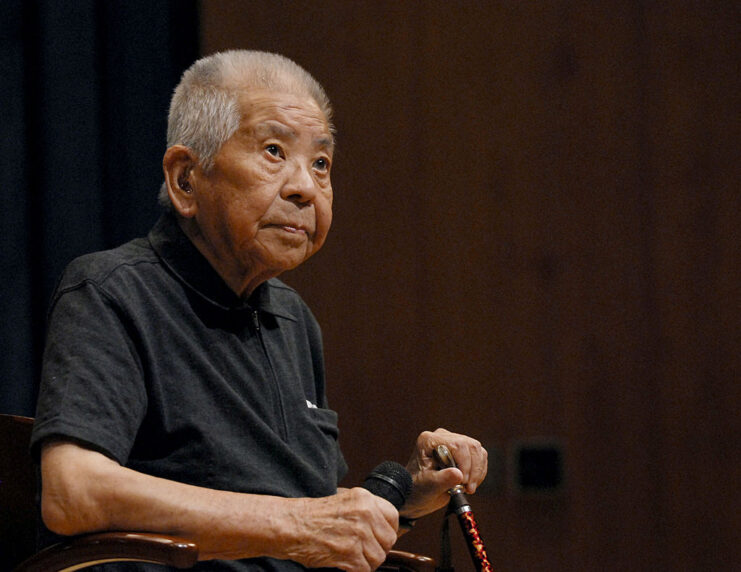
(18, 520)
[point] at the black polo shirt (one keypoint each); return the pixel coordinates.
(151, 359)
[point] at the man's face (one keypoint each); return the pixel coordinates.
(266, 205)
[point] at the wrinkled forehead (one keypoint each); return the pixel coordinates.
(252, 81)
(284, 114)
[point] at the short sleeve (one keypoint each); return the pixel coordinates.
(92, 387)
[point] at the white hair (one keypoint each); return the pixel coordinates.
(204, 110)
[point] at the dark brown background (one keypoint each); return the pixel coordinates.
(536, 236)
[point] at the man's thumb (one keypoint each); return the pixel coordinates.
(448, 478)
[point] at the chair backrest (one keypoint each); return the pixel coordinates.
(18, 491)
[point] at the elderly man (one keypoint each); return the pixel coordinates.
(183, 384)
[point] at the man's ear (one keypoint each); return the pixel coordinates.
(178, 164)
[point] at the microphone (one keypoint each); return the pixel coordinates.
(390, 481)
(460, 507)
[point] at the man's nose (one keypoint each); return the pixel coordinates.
(300, 185)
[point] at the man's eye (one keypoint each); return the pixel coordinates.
(274, 150)
(321, 164)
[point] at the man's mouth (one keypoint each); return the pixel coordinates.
(291, 228)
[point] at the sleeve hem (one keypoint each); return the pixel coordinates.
(85, 436)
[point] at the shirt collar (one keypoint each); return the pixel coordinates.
(186, 262)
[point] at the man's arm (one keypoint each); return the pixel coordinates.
(85, 491)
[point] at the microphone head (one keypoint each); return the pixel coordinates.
(390, 481)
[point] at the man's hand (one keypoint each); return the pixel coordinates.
(430, 483)
(352, 530)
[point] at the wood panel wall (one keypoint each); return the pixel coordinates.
(536, 237)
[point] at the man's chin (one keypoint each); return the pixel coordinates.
(291, 260)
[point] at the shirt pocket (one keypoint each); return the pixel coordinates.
(326, 421)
